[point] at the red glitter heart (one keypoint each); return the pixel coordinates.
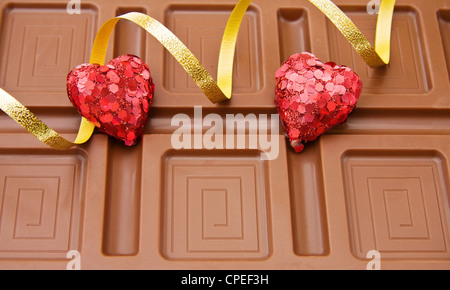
(115, 97)
(313, 97)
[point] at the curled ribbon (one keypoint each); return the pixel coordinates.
(374, 56)
(45, 134)
(216, 92)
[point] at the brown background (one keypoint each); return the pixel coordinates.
(378, 182)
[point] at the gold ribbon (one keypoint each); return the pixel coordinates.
(374, 57)
(45, 134)
(216, 92)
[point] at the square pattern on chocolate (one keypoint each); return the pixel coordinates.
(40, 205)
(395, 205)
(37, 55)
(203, 37)
(215, 208)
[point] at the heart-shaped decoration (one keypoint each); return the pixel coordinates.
(115, 97)
(313, 97)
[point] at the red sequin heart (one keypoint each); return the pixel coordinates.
(313, 97)
(115, 97)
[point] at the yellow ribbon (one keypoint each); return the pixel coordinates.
(216, 92)
(181, 53)
(374, 57)
(45, 134)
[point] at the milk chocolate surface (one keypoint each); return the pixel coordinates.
(378, 182)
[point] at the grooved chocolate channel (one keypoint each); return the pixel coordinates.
(123, 191)
(293, 32)
(307, 203)
(122, 207)
(444, 24)
(129, 38)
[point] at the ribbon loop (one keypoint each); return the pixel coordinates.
(374, 57)
(181, 53)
